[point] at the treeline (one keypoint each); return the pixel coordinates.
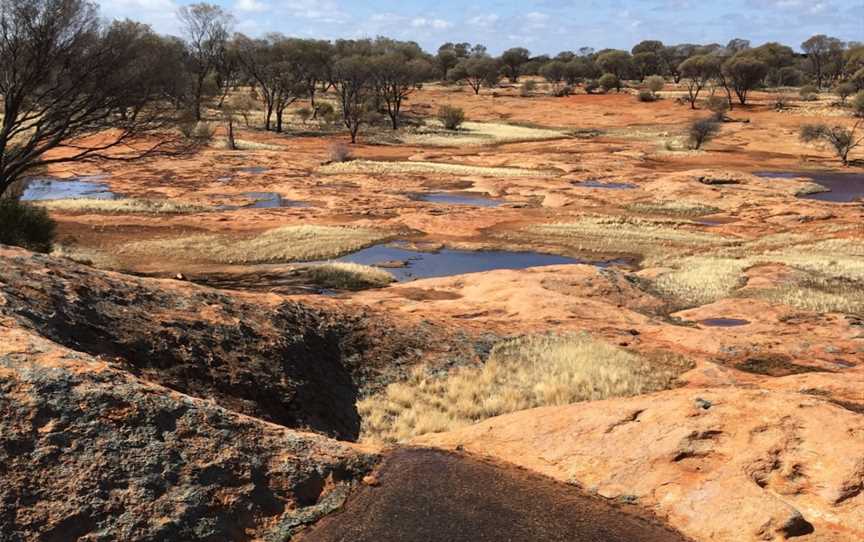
(209, 62)
(65, 74)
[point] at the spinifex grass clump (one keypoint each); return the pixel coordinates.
(520, 373)
(285, 244)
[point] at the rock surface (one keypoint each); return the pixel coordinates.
(721, 464)
(260, 355)
(91, 453)
(433, 496)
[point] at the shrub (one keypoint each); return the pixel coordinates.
(841, 139)
(844, 90)
(451, 117)
(719, 106)
(789, 76)
(781, 101)
(305, 114)
(655, 84)
(646, 96)
(701, 131)
(527, 88)
(339, 152)
(199, 131)
(609, 81)
(591, 86)
(808, 93)
(566, 90)
(858, 104)
(25, 226)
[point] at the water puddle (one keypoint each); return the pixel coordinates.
(844, 187)
(263, 200)
(47, 188)
(269, 200)
(458, 198)
(712, 221)
(724, 322)
(598, 184)
(407, 264)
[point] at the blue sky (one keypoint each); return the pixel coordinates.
(543, 26)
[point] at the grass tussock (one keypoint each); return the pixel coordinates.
(520, 373)
(609, 234)
(473, 134)
(384, 168)
(348, 276)
(87, 256)
(128, 206)
(830, 278)
(285, 244)
(246, 145)
(673, 208)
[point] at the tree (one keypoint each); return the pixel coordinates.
(512, 61)
(553, 72)
(352, 78)
(477, 72)
(820, 49)
(737, 45)
(776, 56)
(743, 74)
(673, 57)
(275, 66)
(395, 78)
(205, 28)
(618, 63)
(646, 64)
(844, 90)
(64, 77)
(841, 139)
(697, 71)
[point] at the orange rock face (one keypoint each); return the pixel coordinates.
(721, 464)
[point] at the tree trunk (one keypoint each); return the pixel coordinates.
(279, 113)
(267, 118)
(231, 143)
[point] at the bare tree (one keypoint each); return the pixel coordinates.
(697, 71)
(205, 28)
(352, 78)
(65, 79)
(395, 78)
(841, 139)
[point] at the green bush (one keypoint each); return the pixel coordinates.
(26, 226)
(591, 86)
(646, 96)
(655, 84)
(609, 81)
(858, 104)
(809, 93)
(451, 117)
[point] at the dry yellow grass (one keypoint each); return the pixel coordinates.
(519, 374)
(477, 133)
(348, 276)
(672, 208)
(246, 145)
(130, 205)
(285, 244)
(825, 265)
(384, 168)
(86, 256)
(648, 237)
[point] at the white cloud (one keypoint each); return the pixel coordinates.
(250, 6)
(436, 24)
(483, 21)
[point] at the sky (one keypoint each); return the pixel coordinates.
(542, 26)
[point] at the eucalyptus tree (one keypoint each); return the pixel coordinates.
(821, 50)
(742, 74)
(353, 81)
(477, 72)
(205, 29)
(395, 77)
(72, 83)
